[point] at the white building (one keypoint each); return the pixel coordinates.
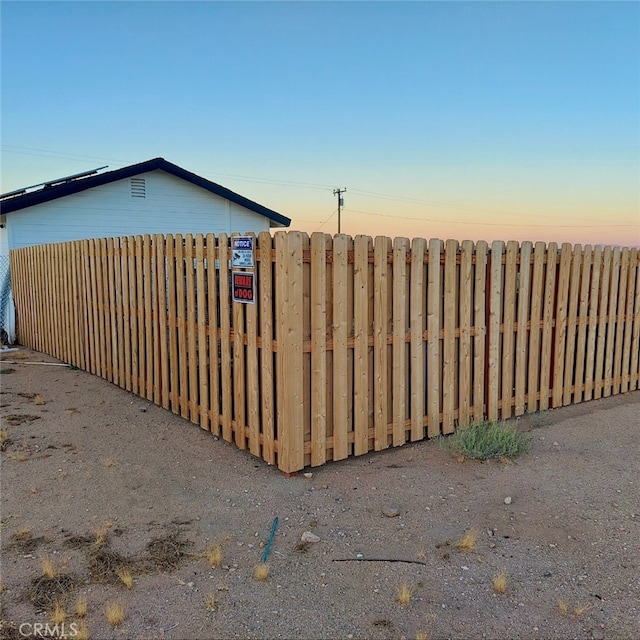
(151, 197)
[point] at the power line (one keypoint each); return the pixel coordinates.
(46, 153)
(492, 224)
(327, 220)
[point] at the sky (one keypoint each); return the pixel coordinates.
(463, 120)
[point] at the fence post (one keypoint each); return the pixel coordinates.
(289, 354)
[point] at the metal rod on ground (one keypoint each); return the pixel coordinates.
(378, 560)
(274, 526)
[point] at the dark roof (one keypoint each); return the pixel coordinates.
(48, 193)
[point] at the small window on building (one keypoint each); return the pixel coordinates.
(138, 188)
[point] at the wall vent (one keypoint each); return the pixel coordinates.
(138, 188)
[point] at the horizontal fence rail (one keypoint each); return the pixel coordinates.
(352, 344)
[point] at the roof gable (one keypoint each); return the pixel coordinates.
(18, 202)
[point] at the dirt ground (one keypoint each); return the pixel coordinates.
(97, 480)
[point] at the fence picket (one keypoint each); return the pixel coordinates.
(162, 348)
(172, 323)
(434, 369)
(620, 323)
(635, 340)
(253, 380)
(449, 356)
(523, 299)
(626, 384)
(572, 326)
(361, 328)
(157, 246)
(202, 404)
(120, 309)
(381, 311)
(547, 325)
(289, 294)
(182, 363)
(340, 351)
(399, 378)
(192, 329)
(582, 321)
(318, 349)
(603, 319)
(480, 331)
(592, 328)
(533, 373)
(495, 317)
(417, 314)
(265, 298)
(111, 288)
(611, 322)
(133, 314)
(213, 348)
(465, 321)
(508, 336)
(225, 337)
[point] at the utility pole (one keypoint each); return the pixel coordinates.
(338, 192)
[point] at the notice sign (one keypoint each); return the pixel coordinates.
(242, 286)
(242, 252)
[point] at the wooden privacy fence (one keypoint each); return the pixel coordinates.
(352, 345)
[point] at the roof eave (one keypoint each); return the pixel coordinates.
(59, 191)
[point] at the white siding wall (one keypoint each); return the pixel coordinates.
(171, 205)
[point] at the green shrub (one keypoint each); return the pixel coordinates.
(487, 440)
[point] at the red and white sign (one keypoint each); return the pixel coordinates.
(242, 286)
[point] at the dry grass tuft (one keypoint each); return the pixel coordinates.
(125, 576)
(109, 462)
(20, 456)
(468, 541)
(211, 602)
(23, 534)
(404, 594)
(38, 399)
(500, 582)
(82, 607)
(422, 635)
(422, 555)
(577, 611)
(580, 609)
(48, 570)
(102, 533)
(115, 614)
(261, 571)
(213, 554)
(5, 440)
(59, 615)
(82, 631)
